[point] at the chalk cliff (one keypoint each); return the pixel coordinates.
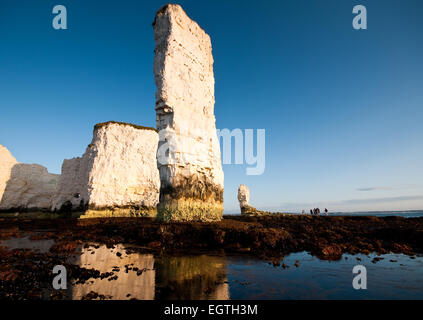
(189, 154)
(24, 187)
(117, 171)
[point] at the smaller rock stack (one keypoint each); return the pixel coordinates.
(243, 197)
(246, 208)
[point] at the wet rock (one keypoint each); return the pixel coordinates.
(65, 247)
(376, 259)
(94, 296)
(155, 244)
(113, 278)
(331, 251)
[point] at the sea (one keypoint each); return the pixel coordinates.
(405, 214)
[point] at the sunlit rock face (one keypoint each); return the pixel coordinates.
(188, 155)
(25, 186)
(117, 171)
(129, 284)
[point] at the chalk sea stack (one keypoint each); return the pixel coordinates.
(243, 197)
(244, 203)
(188, 156)
(117, 175)
(24, 187)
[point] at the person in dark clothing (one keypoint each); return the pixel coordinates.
(311, 211)
(326, 211)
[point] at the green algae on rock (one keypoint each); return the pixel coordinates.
(129, 212)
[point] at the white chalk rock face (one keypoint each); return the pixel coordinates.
(243, 196)
(118, 169)
(25, 186)
(7, 162)
(73, 184)
(189, 154)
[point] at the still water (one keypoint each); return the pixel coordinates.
(136, 275)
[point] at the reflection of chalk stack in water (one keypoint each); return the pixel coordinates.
(105, 259)
(163, 278)
(192, 277)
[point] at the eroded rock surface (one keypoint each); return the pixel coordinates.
(117, 171)
(188, 155)
(24, 186)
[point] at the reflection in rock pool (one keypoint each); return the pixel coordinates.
(192, 277)
(300, 276)
(144, 277)
(130, 273)
(133, 274)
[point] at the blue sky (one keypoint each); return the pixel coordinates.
(342, 108)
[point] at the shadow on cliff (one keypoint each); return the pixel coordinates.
(30, 188)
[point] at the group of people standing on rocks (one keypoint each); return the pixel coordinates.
(316, 212)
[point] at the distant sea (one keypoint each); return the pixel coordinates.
(405, 214)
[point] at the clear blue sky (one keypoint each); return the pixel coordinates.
(342, 109)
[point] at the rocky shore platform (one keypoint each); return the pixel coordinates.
(266, 237)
